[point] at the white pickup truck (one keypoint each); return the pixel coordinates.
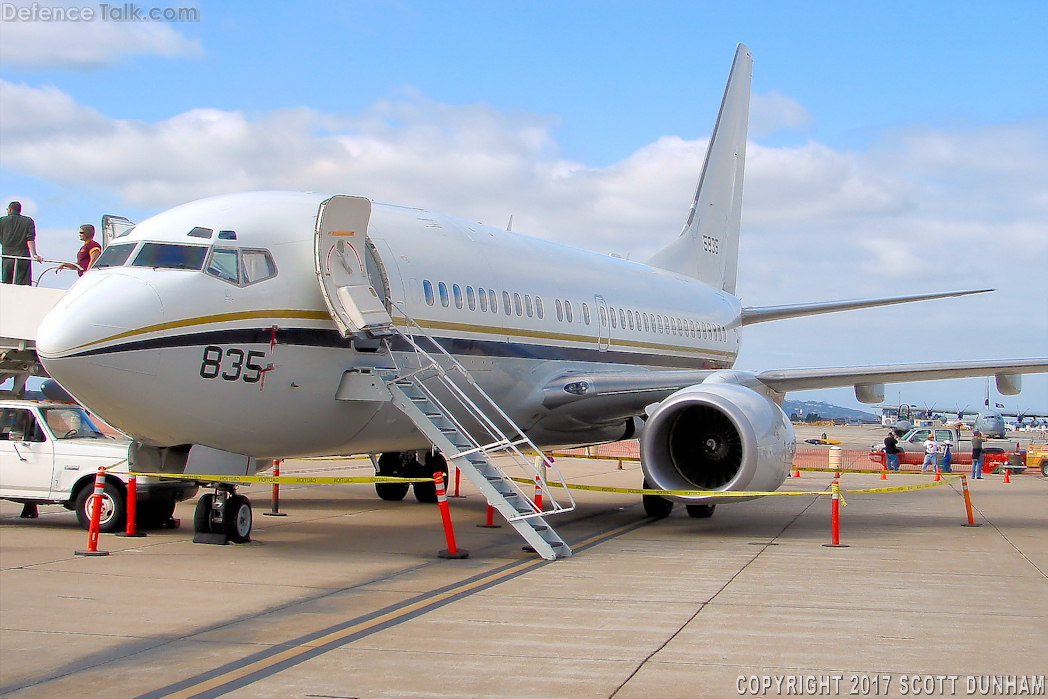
(49, 454)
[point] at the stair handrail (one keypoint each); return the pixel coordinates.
(503, 443)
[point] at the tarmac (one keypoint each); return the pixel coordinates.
(345, 597)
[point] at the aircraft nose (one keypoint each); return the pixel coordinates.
(92, 337)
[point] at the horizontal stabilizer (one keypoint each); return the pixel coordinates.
(763, 315)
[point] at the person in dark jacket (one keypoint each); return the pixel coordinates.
(18, 245)
(891, 452)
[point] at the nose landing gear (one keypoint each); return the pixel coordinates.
(221, 517)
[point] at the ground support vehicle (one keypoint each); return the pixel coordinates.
(49, 454)
(1037, 457)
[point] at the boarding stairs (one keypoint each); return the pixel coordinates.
(488, 454)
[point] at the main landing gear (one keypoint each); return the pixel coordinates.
(405, 464)
(222, 516)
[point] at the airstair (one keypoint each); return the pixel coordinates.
(486, 454)
(433, 389)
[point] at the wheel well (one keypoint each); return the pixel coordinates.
(89, 482)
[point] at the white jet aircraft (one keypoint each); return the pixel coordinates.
(242, 328)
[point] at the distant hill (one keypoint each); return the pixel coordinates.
(826, 410)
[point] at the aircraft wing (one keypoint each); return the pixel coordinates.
(606, 395)
(783, 380)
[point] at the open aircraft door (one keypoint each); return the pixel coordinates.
(348, 268)
(114, 227)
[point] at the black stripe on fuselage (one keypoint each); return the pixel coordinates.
(313, 337)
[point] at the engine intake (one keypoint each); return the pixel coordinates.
(717, 436)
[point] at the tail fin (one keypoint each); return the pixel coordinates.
(708, 247)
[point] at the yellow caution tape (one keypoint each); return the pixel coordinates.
(283, 480)
(733, 493)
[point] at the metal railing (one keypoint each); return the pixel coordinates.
(58, 265)
(494, 440)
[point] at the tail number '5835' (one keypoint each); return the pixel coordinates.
(232, 364)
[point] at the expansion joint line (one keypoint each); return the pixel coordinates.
(703, 605)
(1005, 537)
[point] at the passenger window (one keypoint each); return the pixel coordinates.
(629, 317)
(457, 291)
(442, 289)
(427, 290)
(482, 296)
(585, 314)
(603, 317)
(538, 307)
(257, 266)
(493, 300)
(567, 309)
(224, 265)
(658, 319)
(622, 319)
(168, 256)
(114, 255)
(611, 312)
(471, 298)
(560, 310)
(527, 305)
(516, 305)
(505, 303)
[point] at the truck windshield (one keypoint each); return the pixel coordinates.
(71, 423)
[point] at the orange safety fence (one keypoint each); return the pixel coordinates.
(806, 458)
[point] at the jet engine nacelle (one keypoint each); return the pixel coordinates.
(717, 436)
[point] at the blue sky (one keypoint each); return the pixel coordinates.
(895, 148)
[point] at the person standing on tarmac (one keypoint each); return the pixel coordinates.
(891, 452)
(931, 451)
(977, 454)
(18, 240)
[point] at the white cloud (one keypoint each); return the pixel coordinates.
(772, 111)
(919, 210)
(89, 45)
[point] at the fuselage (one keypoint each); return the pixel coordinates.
(213, 317)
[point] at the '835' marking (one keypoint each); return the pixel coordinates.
(232, 364)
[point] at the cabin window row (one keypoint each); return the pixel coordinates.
(660, 324)
(487, 300)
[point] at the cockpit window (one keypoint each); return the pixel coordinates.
(223, 264)
(120, 234)
(169, 256)
(257, 266)
(114, 255)
(199, 232)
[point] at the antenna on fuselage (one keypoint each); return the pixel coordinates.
(509, 226)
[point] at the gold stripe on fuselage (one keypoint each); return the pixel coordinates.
(487, 330)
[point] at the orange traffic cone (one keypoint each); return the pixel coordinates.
(937, 476)
(884, 472)
(796, 472)
(1007, 478)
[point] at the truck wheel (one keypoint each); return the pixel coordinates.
(202, 514)
(1044, 468)
(113, 508)
(236, 519)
